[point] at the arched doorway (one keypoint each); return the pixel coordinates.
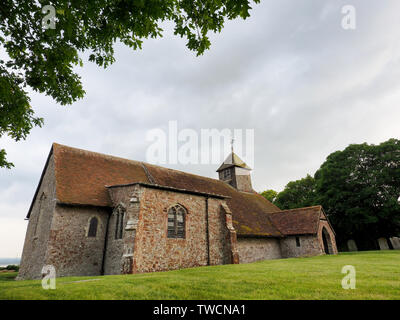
(326, 239)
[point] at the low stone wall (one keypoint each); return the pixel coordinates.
(309, 246)
(257, 249)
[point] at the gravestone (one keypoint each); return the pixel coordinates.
(383, 245)
(351, 245)
(395, 243)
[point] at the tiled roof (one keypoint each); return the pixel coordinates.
(297, 221)
(81, 177)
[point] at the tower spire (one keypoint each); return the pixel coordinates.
(232, 141)
(235, 172)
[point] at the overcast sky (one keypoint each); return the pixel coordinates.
(305, 85)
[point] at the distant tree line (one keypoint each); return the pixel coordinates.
(359, 189)
(10, 267)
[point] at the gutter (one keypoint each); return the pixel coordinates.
(103, 261)
(161, 187)
(207, 234)
(260, 236)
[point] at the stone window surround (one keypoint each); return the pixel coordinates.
(187, 214)
(298, 243)
(93, 227)
(99, 227)
(119, 210)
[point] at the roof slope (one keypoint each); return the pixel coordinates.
(233, 160)
(81, 177)
(297, 221)
(249, 210)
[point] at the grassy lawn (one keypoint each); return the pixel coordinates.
(378, 277)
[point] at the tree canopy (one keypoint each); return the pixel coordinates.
(359, 189)
(42, 58)
(270, 195)
(297, 194)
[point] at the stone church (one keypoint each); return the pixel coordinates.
(95, 214)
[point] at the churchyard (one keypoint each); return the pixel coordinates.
(377, 276)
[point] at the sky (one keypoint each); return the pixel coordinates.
(291, 73)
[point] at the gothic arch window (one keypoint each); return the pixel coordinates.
(92, 232)
(176, 222)
(119, 222)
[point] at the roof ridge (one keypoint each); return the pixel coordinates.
(189, 173)
(302, 208)
(81, 177)
(111, 157)
(160, 186)
(148, 174)
(105, 156)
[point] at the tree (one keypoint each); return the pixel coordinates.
(297, 194)
(359, 189)
(42, 57)
(270, 195)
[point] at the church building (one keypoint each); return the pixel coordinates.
(94, 214)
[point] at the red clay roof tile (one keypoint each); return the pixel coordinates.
(297, 221)
(82, 177)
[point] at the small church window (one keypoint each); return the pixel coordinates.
(119, 225)
(116, 225)
(176, 222)
(93, 227)
(297, 242)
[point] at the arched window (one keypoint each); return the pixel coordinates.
(176, 222)
(119, 223)
(93, 227)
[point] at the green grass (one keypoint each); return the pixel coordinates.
(378, 277)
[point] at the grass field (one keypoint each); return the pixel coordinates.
(377, 275)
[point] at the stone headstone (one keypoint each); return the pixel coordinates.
(383, 245)
(395, 243)
(351, 245)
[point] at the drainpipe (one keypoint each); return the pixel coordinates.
(105, 244)
(207, 234)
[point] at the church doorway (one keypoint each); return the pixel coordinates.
(326, 239)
